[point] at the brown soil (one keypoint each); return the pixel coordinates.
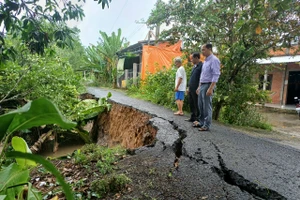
(152, 177)
(79, 176)
(125, 126)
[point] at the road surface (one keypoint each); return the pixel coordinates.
(227, 163)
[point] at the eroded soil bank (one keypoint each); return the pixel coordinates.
(125, 126)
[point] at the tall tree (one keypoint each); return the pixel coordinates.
(242, 32)
(24, 18)
(74, 54)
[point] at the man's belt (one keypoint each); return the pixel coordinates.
(205, 83)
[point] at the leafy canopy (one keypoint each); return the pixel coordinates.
(241, 31)
(24, 18)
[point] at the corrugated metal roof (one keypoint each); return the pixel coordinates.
(279, 59)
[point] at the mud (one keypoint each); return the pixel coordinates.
(125, 126)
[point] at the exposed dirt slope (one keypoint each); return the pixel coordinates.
(125, 126)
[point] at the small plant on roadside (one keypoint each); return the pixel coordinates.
(133, 85)
(118, 182)
(100, 187)
(79, 157)
(244, 116)
(111, 183)
(104, 167)
(95, 153)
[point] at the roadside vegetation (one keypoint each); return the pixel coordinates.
(90, 171)
(241, 32)
(44, 68)
(41, 62)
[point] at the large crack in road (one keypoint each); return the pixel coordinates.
(229, 176)
(245, 167)
(233, 178)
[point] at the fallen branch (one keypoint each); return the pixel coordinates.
(15, 97)
(17, 83)
(38, 144)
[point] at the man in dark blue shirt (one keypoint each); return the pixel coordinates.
(192, 87)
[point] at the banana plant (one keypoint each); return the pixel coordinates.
(104, 54)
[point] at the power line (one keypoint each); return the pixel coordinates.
(135, 31)
(118, 16)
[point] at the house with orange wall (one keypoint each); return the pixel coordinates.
(283, 80)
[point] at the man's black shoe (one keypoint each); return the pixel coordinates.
(189, 120)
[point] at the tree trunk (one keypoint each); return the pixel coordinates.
(38, 144)
(217, 110)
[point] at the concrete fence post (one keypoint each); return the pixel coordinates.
(126, 75)
(134, 76)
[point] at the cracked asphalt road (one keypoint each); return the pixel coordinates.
(238, 165)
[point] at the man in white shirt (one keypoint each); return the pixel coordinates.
(180, 85)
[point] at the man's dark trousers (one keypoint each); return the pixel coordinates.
(194, 108)
(193, 97)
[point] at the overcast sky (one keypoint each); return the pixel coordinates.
(120, 14)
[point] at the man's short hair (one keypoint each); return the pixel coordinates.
(196, 55)
(178, 59)
(209, 46)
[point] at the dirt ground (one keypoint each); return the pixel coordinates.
(286, 123)
(285, 128)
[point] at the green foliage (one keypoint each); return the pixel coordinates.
(159, 88)
(244, 116)
(75, 54)
(242, 32)
(104, 3)
(103, 59)
(95, 153)
(133, 85)
(19, 144)
(35, 76)
(48, 166)
(15, 177)
(90, 108)
(35, 113)
(111, 183)
(23, 19)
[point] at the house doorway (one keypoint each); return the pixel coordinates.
(293, 87)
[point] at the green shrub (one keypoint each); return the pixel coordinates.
(104, 167)
(100, 187)
(111, 183)
(133, 88)
(159, 88)
(38, 76)
(95, 153)
(246, 115)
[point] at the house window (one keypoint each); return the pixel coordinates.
(268, 83)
